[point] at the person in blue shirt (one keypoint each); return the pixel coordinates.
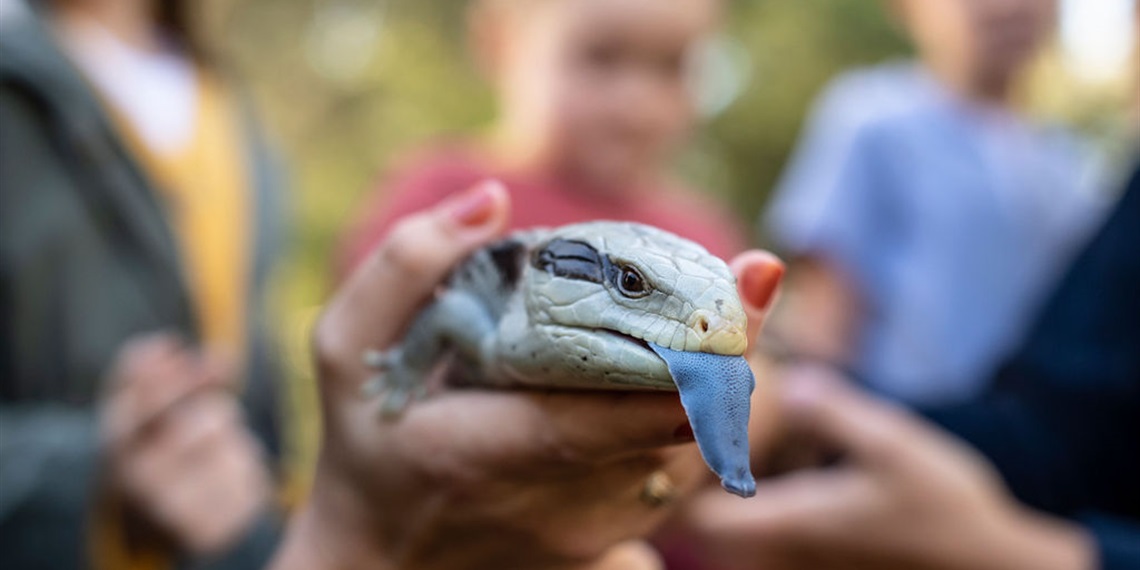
(923, 215)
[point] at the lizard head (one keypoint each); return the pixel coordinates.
(622, 305)
(617, 287)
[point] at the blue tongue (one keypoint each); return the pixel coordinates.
(715, 392)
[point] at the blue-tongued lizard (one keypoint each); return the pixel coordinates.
(599, 305)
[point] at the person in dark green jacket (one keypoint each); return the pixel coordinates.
(140, 213)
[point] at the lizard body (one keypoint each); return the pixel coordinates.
(599, 305)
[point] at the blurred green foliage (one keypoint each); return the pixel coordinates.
(793, 48)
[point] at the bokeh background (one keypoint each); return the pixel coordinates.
(348, 86)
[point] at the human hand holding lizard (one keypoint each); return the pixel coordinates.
(471, 477)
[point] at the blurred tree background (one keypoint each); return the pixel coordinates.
(347, 86)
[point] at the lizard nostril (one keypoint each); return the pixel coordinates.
(704, 324)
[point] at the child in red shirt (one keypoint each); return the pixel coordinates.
(594, 97)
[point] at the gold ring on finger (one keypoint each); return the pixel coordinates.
(658, 490)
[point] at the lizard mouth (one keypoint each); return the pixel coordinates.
(625, 337)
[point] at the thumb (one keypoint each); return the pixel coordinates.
(758, 276)
(384, 293)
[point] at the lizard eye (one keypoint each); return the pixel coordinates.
(631, 283)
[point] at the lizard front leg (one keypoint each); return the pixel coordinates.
(456, 320)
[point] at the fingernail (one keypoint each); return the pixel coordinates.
(474, 207)
(684, 432)
(760, 284)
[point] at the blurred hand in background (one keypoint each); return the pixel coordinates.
(905, 496)
(177, 451)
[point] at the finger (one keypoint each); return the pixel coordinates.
(207, 505)
(139, 355)
(758, 275)
(601, 426)
(186, 436)
(385, 292)
(231, 465)
(581, 512)
(197, 448)
(201, 419)
(508, 430)
(133, 413)
(799, 508)
(169, 392)
(819, 402)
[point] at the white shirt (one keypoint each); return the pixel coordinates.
(155, 91)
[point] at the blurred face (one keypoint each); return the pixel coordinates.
(598, 88)
(982, 43)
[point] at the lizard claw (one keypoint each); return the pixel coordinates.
(377, 359)
(395, 384)
(373, 387)
(394, 404)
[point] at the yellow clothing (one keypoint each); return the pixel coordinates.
(207, 194)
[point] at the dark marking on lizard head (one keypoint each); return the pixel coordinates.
(508, 256)
(570, 259)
